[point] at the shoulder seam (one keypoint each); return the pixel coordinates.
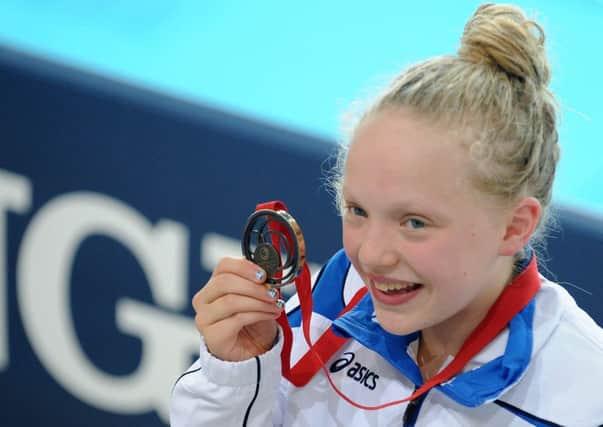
(192, 371)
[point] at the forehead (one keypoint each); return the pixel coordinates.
(398, 148)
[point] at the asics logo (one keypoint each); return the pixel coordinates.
(356, 371)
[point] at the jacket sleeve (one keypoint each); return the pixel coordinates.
(219, 393)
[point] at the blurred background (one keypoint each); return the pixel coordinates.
(136, 137)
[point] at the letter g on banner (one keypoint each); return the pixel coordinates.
(47, 253)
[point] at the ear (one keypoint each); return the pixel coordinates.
(521, 224)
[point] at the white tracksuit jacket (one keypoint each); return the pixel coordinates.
(544, 369)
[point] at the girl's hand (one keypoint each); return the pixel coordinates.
(235, 311)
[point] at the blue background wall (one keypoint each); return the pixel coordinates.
(116, 201)
(301, 65)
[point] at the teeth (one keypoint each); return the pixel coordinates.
(386, 287)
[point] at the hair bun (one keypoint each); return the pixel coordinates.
(502, 36)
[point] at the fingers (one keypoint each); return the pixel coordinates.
(235, 297)
(234, 276)
(240, 267)
(233, 305)
(230, 340)
(234, 288)
(232, 325)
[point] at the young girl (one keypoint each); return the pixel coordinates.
(444, 186)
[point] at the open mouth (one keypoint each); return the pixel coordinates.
(397, 288)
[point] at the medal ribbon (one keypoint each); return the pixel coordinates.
(512, 300)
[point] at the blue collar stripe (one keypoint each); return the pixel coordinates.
(471, 388)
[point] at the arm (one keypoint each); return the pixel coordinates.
(236, 379)
(220, 393)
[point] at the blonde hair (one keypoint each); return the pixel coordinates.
(495, 90)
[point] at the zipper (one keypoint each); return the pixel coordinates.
(412, 410)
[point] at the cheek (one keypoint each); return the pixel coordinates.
(350, 241)
(457, 259)
(438, 260)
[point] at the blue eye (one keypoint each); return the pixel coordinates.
(415, 224)
(356, 211)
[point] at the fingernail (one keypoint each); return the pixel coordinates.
(259, 275)
(280, 303)
(272, 293)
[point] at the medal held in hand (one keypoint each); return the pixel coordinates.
(273, 240)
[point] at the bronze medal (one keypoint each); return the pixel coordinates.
(274, 241)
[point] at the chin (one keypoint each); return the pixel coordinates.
(395, 323)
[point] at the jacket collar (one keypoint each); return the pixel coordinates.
(499, 366)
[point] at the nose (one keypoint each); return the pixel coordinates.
(377, 251)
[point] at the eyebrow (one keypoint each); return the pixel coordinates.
(398, 206)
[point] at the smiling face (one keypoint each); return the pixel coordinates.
(425, 241)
